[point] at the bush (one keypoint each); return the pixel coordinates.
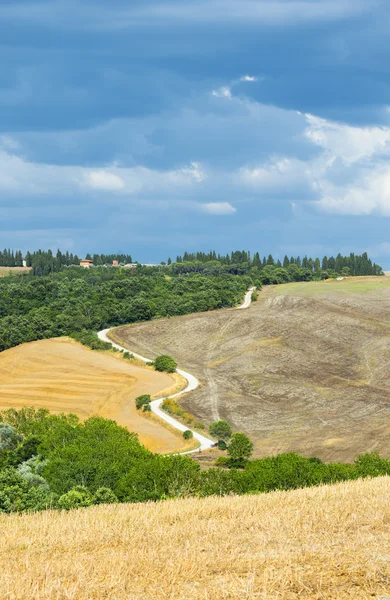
(104, 496)
(142, 401)
(188, 435)
(372, 465)
(147, 408)
(9, 437)
(77, 498)
(128, 355)
(165, 363)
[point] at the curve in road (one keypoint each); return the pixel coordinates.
(192, 384)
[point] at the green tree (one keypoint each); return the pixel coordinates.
(188, 435)
(240, 447)
(220, 430)
(165, 363)
(142, 401)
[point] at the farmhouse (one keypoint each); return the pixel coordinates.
(86, 263)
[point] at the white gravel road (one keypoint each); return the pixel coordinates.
(192, 384)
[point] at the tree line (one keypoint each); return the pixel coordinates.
(352, 264)
(55, 461)
(78, 301)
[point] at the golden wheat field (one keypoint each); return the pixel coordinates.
(325, 543)
(63, 376)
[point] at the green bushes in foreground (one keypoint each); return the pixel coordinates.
(54, 461)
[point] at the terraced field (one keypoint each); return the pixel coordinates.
(305, 368)
(64, 376)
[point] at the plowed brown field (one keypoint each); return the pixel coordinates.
(64, 376)
(305, 368)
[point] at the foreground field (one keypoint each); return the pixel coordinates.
(304, 369)
(327, 543)
(63, 376)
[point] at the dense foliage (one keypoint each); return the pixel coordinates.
(56, 461)
(78, 301)
(272, 271)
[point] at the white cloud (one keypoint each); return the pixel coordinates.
(104, 180)
(345, 141)
(218, 208)
(223, 92)
(248, 78)
(352, 175)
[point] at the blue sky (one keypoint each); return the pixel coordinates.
(159, 126)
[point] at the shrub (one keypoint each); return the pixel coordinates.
(165, 363)
(188, 435)
(128, 355)
(220, 430)
(141, 401)
(104, 496)
(147, 408)
(9, 437)
(372, 465)
(76, 498)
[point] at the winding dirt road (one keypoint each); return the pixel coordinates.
(192, 384)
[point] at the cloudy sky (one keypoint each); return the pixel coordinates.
(157, 126)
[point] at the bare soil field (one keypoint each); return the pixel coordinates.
(4, 271)
(304, 369)
(64, 376)
(324, 543)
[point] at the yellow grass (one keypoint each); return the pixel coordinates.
(64, 376)
(327, 543)
(5, 271)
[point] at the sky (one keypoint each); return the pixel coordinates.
(158, 126)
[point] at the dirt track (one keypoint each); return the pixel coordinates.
(64, 376)
(304, 369)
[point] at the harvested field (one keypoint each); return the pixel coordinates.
(325, 543)
(4, 271)
(64, 376)
(305, 368)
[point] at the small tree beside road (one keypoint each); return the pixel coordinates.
(165, 363)
(222, 431)
(143, 402)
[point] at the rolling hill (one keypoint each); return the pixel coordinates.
(304, 369)
(63, 376)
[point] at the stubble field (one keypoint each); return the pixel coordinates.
(64, 376)
(305, 368)
(324, 543)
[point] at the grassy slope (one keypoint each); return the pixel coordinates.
(304, 369)
(63, 376)
(327, 543)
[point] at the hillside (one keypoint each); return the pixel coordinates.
(304, 369)
(326, 543)
(64, 376)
